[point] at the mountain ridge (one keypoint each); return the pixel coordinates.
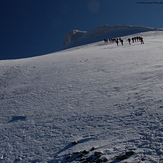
(76, 37)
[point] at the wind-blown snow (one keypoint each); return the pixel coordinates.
(101, 95)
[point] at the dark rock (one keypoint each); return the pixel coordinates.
(80, 155)
(68, 157)
(89, 158)
(92, 149)
(98, 153)
(85, 161)
(75, 142)
(99, 161)
(104, 159)
(130, 153)
(122, 157)
(85, 152)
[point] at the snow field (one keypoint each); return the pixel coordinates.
(102, 95)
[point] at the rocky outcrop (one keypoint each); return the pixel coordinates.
(72, 36)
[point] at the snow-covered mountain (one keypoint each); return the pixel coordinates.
(75, 37)
(93, 103)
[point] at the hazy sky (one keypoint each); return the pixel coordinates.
(36, 27)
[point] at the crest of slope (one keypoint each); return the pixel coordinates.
(75, 37)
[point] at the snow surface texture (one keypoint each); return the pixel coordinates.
(98, 95)
(75, 37)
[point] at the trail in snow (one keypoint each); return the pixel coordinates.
(100, 95)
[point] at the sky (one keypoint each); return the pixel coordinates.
(37, 27)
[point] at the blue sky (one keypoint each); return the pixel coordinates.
(35, 27)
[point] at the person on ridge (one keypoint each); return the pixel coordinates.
(141, 39)
(117, 41)
(121, 41)
(129, 41)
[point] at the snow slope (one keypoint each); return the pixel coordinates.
(97, 95)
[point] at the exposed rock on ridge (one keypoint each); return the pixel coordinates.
(72, 36)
